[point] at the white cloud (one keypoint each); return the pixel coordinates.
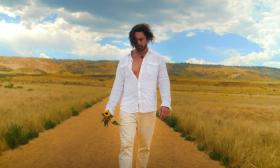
(275, 64)
(43, 55)
(161, 33)
(232, 16)
(76, 32)
(6, 11)
(190, 34)
(198, 61)
(251, 59)
(120, 42)
(167, 59)
(29, 36)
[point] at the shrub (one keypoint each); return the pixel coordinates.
(49, 124)
(171, 121)
(88, 104)
(183, 134)
(74, 112)
(32, 134)
(215, 155)
(202, 146)
(189, 137)
(15, 136)
(225, 160)
(178, 128)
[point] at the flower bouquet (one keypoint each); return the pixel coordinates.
(107, 116)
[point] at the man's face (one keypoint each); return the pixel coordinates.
(141, 41)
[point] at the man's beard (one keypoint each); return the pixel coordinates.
(140, 48)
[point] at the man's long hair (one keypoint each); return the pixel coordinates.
(142, 27)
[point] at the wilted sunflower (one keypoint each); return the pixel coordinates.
(107, 116)
(106, 113)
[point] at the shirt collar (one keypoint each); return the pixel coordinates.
(147, 54)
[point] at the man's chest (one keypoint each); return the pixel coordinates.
(144, 71)
(136, 66)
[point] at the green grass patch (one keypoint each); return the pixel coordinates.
(178, 128)
(202, 147)
(171, 121)
(15, 136)
(74, 112)
(189, 137)
(225, 160)
(88, 104)
(215, 155)
(49, 124)
(32, 134)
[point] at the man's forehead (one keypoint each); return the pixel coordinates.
(139, 35)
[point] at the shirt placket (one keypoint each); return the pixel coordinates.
(139, 101)
(139, 96)
(138, 87)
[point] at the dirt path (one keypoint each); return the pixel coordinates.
(83, 142)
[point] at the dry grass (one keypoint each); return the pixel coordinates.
(237, 119)
(240, 122)
(32, 104)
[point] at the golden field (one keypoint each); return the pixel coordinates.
(33, 100)
(232, 113)
(238, 122)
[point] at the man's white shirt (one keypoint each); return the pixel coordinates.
(140, 95)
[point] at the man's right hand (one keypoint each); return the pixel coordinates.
(107, 116)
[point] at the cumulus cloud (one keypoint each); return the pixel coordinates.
(198, 61)
(255, 20)
(29, 36)
(275, 64)
(190, 34)
(43, 55)
(167, 59)
(79, 27)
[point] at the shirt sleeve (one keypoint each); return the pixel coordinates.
(164, 85)
(116, 91)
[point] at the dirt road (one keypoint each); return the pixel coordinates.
(83, 142)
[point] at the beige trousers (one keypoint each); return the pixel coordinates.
(131, 123)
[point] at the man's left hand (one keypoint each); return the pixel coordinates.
(164, 112)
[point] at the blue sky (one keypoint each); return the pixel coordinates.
(224, 32)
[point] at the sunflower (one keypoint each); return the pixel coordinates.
(106, 113)
(107, 116)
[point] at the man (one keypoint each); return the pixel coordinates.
(137, 76)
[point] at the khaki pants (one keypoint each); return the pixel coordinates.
(143, 124)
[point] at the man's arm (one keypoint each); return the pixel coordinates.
(164, 85)
(116, 91)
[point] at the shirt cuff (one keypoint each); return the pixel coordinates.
(166, 105)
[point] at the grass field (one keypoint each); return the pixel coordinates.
(38, 103)
(234, 122)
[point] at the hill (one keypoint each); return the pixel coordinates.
(41, 66)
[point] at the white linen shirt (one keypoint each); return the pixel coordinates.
(140, 95)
